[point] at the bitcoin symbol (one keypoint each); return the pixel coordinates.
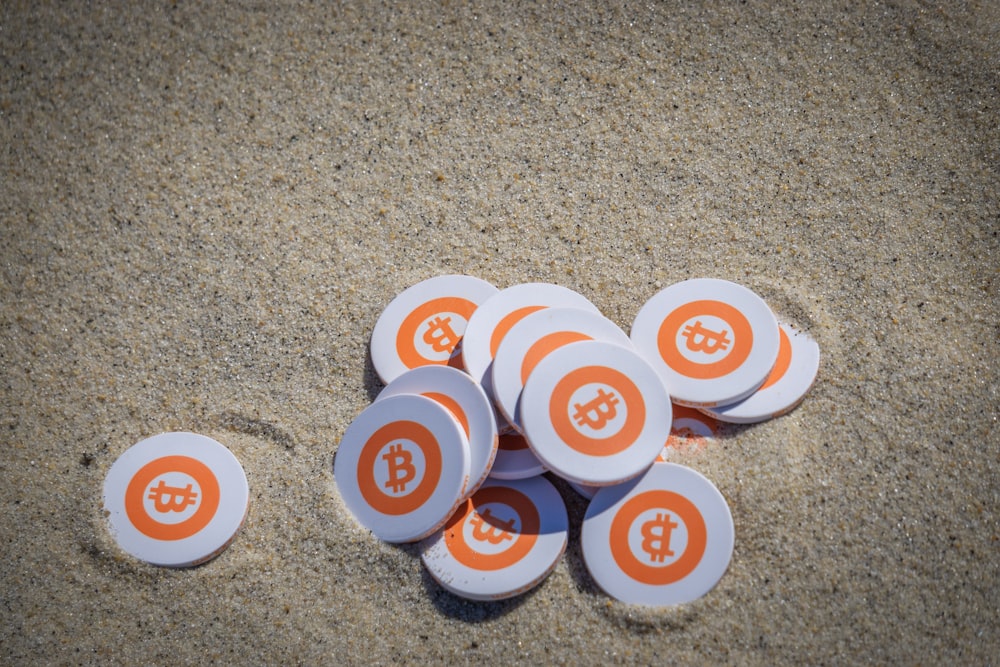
(439, 335)
(704, 340)
(657, 542)
(171, 498)
(603, 408)
(486, 527)
(401, 468)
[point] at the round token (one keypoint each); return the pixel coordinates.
(495, 317)
(425, 323)
(532, 339)
(712, 341)
(501, 542)
(469, 404)
(176, 499)
(515, 460)
(663, 539)
(790, 379)
(595, 413)
(402, 467)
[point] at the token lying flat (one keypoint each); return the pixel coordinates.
(469, 404)
(595, 413)
(535, 336)
(424, 324)
(790, 380)
(495, 317)
(402, 467)
(176, 499)
(712, 341)
(663, 539)
(515, 460)
(503, 541)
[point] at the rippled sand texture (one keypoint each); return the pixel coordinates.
(205, 209)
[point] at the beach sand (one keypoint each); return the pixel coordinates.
(205, 209)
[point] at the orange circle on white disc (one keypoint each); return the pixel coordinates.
(664, 538)
(501, 542)
(176, 499)
(402, 467)
(424, 324)
(595, 413)
(712, 342)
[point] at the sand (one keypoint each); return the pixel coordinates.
(205, 209)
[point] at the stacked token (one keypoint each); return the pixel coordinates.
(488, 389)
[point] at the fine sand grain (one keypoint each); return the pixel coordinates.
(204, 210)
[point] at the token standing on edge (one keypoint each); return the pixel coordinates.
(176, 499)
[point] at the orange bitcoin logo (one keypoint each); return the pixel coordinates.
(433, 325)
(400, 468)
(656, 537)
(700, 339)
(517, 543)
(440, 336)
(487, 528)
(604, 407)
(169, 499)
(704, 340)
(656, 534)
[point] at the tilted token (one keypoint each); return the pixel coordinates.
(515, 460)
(176, 499)
(790, 380)
(402, 467)
(466, 400)
(501, 542)
(535, 336)
(425, 323)
(663, 539)
(712, 341)
(495, 317)
(595, 413)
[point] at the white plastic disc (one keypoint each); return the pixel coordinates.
(495, 317)
(712, 341)
(502, 542)
(425, 323)
(468, 403)
(791, 378)
(402, 467)
(533, 338)
(663, 539)
(515, 460)
(595, 413)
(176, 499)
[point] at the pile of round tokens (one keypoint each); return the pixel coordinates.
(487, 389)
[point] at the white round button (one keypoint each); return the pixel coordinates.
(176, 499)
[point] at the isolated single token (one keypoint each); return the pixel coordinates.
(495, 317)
(402, 467)
(712, 341)
(501, 542)
(425, 323)
(176, 499)
(663, 539)
(467, 401)
(534, 337)
(790, 379)
(595, 413)
(515, 460)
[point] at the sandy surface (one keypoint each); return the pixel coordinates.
(204, 211)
